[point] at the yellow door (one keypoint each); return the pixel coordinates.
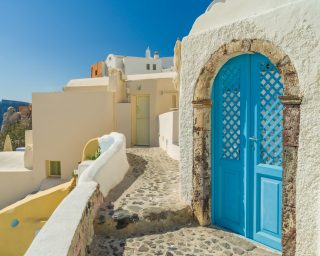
(143, 120)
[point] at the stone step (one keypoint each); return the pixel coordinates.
(124, 222)
(187, 241)
(147, 200)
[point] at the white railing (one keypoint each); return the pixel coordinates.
(70, 228)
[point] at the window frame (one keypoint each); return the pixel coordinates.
(49, 167)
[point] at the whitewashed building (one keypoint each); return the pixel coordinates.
(140, 65)
(249, 121)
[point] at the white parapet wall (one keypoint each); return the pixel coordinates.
(70, 228)
(111, 166)
(169, 133)
(14, 173)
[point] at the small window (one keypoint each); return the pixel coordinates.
(154, 66)
(148, 66)
(53, 168)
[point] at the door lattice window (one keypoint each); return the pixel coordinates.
(231, 114)
(271, 87)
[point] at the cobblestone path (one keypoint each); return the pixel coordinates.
(158, 185)
(186, 241)
(147, 200)
(144, 216)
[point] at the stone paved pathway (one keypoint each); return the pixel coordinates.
(144, 216)
(186, 241)
(158, 186)
(149, 193)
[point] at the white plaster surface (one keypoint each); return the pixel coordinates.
(12, 162)
(84, 165)
(55, 238)
(138, 65)
(57, 235)
(293, 26)
(13, 173)
(110, 167)
(223, 12)
(88, 82)
(169, 133)
(139, 77)
(28, 157)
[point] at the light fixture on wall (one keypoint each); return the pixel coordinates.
(139, 88)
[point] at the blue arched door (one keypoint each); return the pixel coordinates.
(247, 149)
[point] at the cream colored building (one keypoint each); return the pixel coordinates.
(87, 108)
(63, 122)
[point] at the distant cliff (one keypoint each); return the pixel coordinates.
(5, 104)
(15, 124)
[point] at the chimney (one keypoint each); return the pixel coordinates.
(156, 55)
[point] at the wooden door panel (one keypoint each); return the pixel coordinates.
(228, 157)
(266, 165)
(142, 121)
(247, 149)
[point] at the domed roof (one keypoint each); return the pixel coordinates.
(223, 12)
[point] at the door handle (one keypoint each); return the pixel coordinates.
(253, 138)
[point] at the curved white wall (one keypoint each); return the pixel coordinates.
(70, 228)
(111, 166)
(223, 12)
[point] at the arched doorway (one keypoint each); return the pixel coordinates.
(202, 141)
(247, 148)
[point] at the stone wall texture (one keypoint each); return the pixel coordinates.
(85, 230)
(295, 51)
(69, 230)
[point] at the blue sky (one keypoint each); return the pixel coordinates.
(44, 44)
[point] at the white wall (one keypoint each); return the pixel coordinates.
(70, 228)
(294, 28)
(169, 130)
(224, 12)
(111, 166)
(66, 225)
(138, 65)
(16, 182)
(134, 65)
(115, 61)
